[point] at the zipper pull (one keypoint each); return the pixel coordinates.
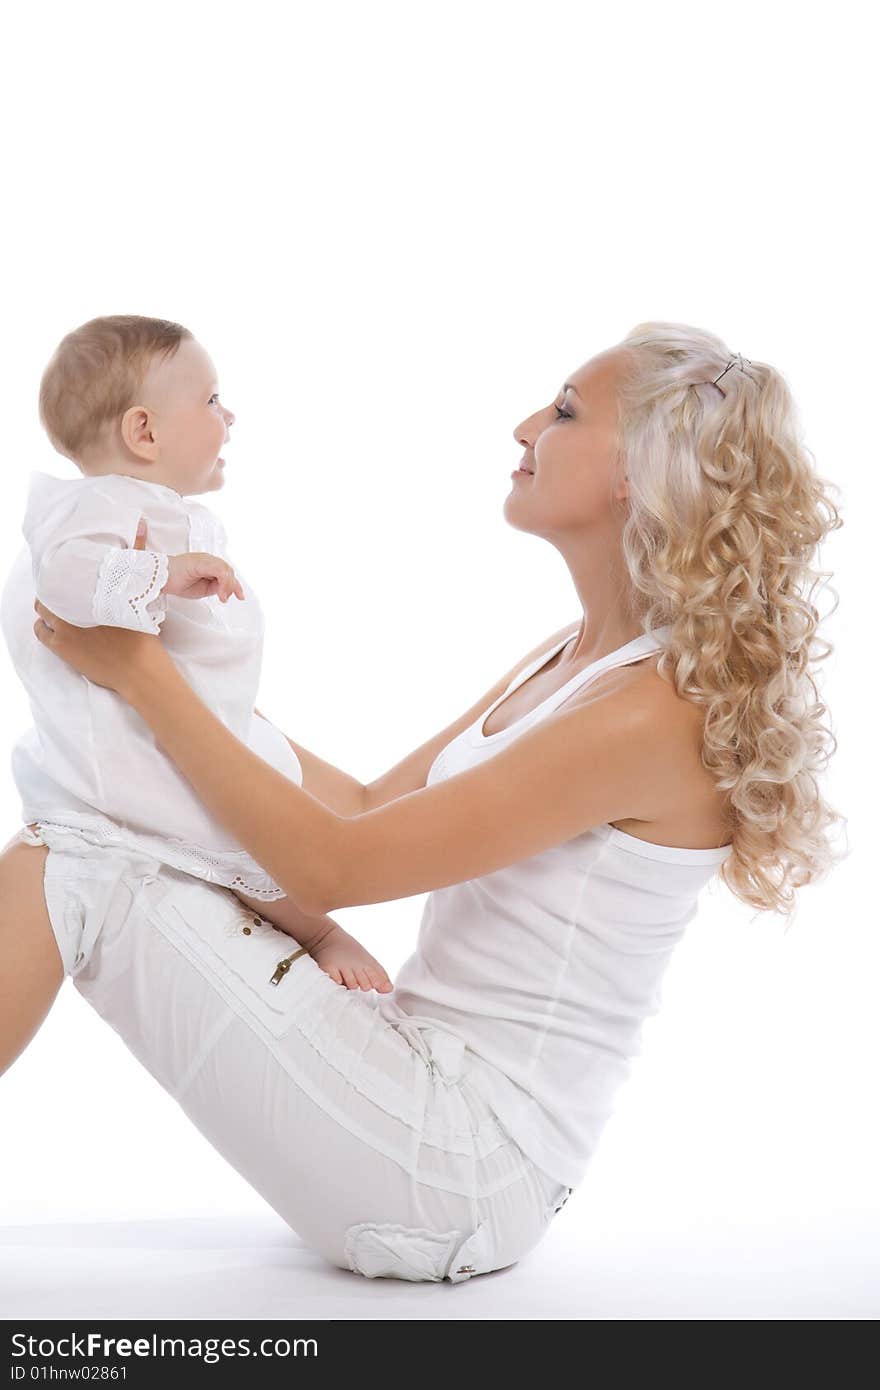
(284, 965)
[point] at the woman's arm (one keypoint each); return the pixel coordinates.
(609, 758)
(585, 765)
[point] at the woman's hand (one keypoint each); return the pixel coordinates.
(109, 656)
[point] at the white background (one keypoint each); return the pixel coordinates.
(397, 228)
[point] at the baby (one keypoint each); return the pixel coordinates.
(134, 403)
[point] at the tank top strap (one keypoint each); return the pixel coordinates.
(639, 647)
(634, 650)
(532, 667)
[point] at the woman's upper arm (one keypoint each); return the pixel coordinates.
(410, 774)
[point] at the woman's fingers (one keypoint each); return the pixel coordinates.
(47, 618)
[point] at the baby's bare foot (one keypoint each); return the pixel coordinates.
(347, 962)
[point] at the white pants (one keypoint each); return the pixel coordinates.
(368, 1137)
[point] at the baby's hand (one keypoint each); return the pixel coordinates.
(196, 574)
(199, 575)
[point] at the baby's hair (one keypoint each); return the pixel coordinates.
(96, 373)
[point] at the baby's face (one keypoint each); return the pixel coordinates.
(187, 427)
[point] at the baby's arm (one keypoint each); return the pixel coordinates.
(85, 575)
(87, 570)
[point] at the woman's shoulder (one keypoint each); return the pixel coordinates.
(676, 719)
(695, 811)
(654, 690)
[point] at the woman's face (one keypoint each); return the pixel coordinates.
(570, 448)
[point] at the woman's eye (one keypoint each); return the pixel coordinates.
(561, 414)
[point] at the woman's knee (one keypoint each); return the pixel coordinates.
(31, 969)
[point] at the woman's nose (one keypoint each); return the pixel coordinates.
(522, 433)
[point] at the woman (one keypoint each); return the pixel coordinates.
(562, 828)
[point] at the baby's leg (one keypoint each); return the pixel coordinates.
(339, 955)
(284, 914)
(31, 969)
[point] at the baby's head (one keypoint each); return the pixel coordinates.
(138, 396)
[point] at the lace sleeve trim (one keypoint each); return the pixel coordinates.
(128, 592)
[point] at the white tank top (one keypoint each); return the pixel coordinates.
(548, 967)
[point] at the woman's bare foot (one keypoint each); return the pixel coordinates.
(347, 962)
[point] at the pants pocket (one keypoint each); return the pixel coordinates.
(246, 958)
(383, 1250)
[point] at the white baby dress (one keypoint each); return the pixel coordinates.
(90, 764)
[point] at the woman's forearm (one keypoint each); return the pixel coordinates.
(291, 834)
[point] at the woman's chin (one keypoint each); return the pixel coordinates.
(512, 513)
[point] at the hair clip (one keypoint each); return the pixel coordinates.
(736, 360)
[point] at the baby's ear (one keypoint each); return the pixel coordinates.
(140, 540)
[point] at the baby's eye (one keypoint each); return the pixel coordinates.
(215, 397)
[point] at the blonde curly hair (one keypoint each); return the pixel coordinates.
(724, 515)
